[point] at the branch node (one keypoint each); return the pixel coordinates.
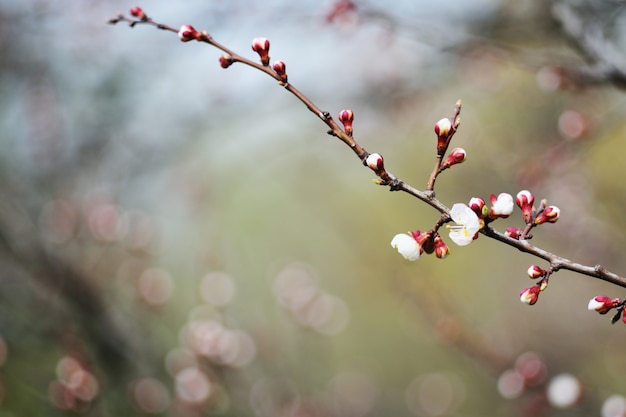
(395, 185)
(430, 194)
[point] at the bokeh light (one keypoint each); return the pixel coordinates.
(150, 396)
(155, 286)
(217, 288)
(573, 124)
(75, 386)
(532, 368)
(564, 390)
(510, 384)
(193, 385)
(296, 289)
(435, 394)
(614, 406)
(353, 394)
(274, 397)
(59, 221)
(107, 223)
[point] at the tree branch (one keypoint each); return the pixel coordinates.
(444, 129)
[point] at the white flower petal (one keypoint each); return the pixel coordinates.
(461, 237)
(504, 205)
(406, 246)
(594, 305)
(467, 224)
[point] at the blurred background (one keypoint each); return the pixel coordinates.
(179, 239)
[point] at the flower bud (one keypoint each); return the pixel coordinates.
(226, 61)
(138, 13)
(456, 156)
(346, 117)
(281, 70)
(187, 33)
(375, 162)
(407, 246)
(513, 232)
(603, 304)
(530, 295)
(536, 272)
(477, 204)
(550, 214)
(524, 201)
(441, 249)
(443, 129)
(501, 206)
(426, 240)
(262, 47)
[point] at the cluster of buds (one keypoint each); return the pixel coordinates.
(259, 45)
(531, 295)
(532, 216)
(412, 245)
(603, 304)
(536, 216)
(467, 219)
(445, 129)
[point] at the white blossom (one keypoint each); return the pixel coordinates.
(406, 246)
(467, 224)
(503, 205)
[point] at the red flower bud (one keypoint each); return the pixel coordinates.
(441, 249)
(535, 271)
(603, 304)
(187, 33)
(478, 206)
(550, 214)
(138, 13)
(281, 70)
(346, 117)
(226, 61)
(375, 162)
(524, 201)
(513, 232)
(426, 241)
(456, 156)
(262, 47)
(530, 295)
(443, 129)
